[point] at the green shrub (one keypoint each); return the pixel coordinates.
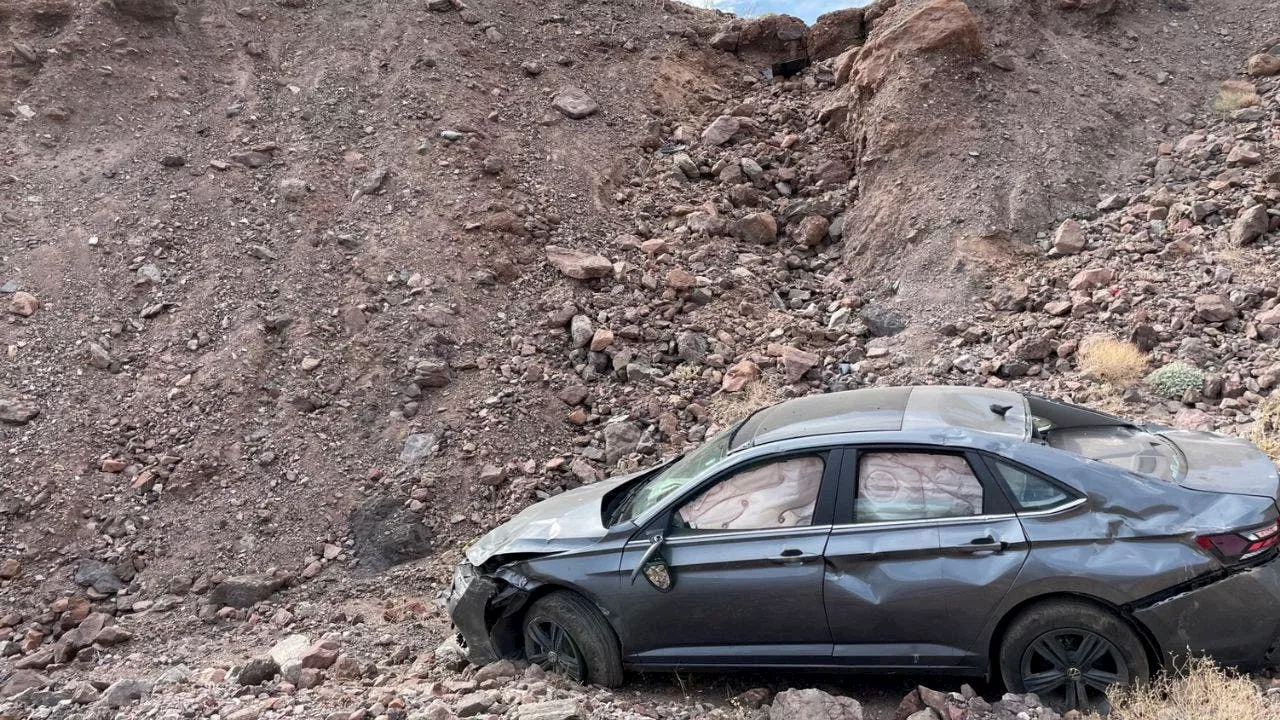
(1175, 379)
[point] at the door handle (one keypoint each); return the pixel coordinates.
(793, 556)
(985, 544)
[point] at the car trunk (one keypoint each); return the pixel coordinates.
(1218, 463)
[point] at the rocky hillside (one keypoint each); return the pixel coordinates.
(300, 296)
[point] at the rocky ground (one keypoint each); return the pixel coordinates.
(299, 297)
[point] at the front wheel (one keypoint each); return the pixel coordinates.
(1070, 654)
(565, 633)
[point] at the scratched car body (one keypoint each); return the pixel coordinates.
(918, 529)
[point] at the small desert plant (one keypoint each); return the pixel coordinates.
(1265, 433)
(728, 408)
(1175, 379)
(1199, 690)
(1112, 361)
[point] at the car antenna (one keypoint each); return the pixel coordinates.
(1000, 409)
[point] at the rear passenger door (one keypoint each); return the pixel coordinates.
(923, 548)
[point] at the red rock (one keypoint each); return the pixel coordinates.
(737, 377)
(1091, 278)
(112, 635)
(759, 228)
(24, 304)
(112, 465)
(577, 264)
(321, 655)
(1263, 64)
(678, 279)
(9, 569)
(796, 362)
(942, 27)
(602, 339)
(812, 230)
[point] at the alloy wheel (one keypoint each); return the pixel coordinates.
(1072, 669)
(553, 649)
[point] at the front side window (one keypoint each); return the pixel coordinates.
(775, 494)
(915, 486)
(1030, 492)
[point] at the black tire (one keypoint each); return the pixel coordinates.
(569, 625)
(1068, 651)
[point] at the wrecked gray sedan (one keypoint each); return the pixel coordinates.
(927, 529)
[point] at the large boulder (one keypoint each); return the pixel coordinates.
(939, 27)
(620, 439)
(772, 39)
(387, 533)
(813, 704)
(835, 32)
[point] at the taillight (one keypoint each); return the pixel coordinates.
(1242, 545)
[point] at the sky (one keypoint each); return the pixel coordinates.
(807, 10)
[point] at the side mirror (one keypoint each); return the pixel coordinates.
(654, 566)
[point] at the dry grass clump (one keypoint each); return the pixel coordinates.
(1265, 433)
(1112, 361)
(728, 408)
(1199, 690)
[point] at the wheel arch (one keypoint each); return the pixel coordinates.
(1149, 644)
(507, 630)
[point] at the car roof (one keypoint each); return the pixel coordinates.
(923, 407)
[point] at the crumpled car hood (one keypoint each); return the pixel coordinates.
(564, 522)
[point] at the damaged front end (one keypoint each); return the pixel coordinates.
(485, 610)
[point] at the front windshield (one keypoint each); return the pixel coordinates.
(644, 496)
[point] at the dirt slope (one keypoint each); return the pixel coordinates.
(264, 266)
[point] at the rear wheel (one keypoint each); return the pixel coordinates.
(565, 633)
(1070, 653)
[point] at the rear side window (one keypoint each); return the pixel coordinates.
(915, 486)
(1028, 491)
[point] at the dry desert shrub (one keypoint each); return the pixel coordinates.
(729, 408)
(1199, 690)
(1112, 361)
(1265, 433)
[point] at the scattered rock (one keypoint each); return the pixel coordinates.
(23, 304)
(386, 533)
(99, 576)
(1250, 226)
(577, 264)
(620, 439)
(258, 671)
(1214, 308)
(574, 103)
(1069, 239)
(244, 591)
(813, 704)
(1263, 64)
(17, 412)
(567, 709)
(720, 130)
(125, 692)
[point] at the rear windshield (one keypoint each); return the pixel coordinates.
(1125, 446)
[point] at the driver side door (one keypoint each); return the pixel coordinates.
(744, 554)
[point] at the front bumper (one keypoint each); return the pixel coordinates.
(1235, 620)
(468, 606)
